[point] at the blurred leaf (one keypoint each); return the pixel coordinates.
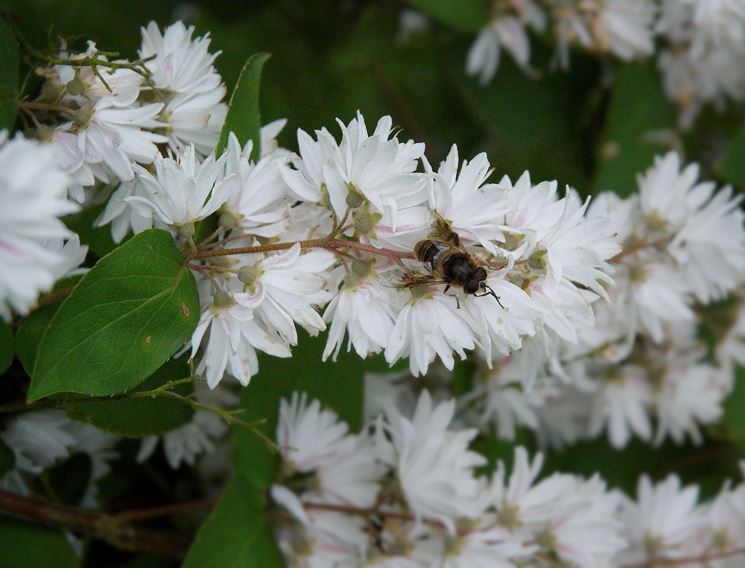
(237, 533)
(463, 15)
(125, 318)
(9, 67)
(25, 545)
(734, 411)
(337, 385)
(135, 418)
(7, 348)
(639, 119)
(31, 328)
(98, 239)
(69, 479)
(731, 167)
(244, 115)
(7, 458)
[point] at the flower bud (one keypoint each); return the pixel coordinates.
(222, 299)
(187, 230)
(75, 87)
(365, 221)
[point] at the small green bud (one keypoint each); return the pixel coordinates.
(354, 198)
(537, 260)
(75, 87)
(221, 299)
(361, 268)
(351, 281)
(248, 274)
(187, 230)
(365, 221)
(227, 220)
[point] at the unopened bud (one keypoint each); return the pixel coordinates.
(221, 299)
(186, 230)
(354, 198)
(248, 274)
(75, 87)
(227, 220)
(365, 221)
(361, 268)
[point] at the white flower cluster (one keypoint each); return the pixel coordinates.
(407, 492)
(104, 116)
(36, 248)
(702, 41)
(623, 28)
(42, 438)
(336, 225)
(701, 62)
(639, 369)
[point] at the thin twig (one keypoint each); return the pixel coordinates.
(113, 529)
(165, 510)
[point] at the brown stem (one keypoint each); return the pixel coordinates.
(165, 510)
(325, 242)
(702, 559)
(54, 297)
(109, 528)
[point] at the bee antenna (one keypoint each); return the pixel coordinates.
(491, 292)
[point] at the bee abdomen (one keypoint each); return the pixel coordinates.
(426, 250)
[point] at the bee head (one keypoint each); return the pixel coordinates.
(476, 282)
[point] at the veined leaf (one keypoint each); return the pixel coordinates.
(125, 318)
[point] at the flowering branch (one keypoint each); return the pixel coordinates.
(326, 243)
(114, 529)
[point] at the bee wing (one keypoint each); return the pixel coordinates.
(414, 279)
(441, 229)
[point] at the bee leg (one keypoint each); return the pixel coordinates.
(447, 288)
(489, 292)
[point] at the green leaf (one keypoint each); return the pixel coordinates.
(9, 67)
(7, 348)
(338, 385)
(638, 116)
(7, 458)
(463, 15)
(734, 411)
(237, 533)
(125, 318)
(731, 167)
(244, 116)
(138, 417)
(31, 329)
(25, 545)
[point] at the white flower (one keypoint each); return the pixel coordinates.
(110, 139)
(33, 193)
(731, 347)
(691, 395)
(375, 167)
(181, 64)
(284, 288)
(364, 310)
(184, 190)
(665, 521)
(183, 71)
(506, 31)
(234, 336)
(38, 439)
(622, 405)
(472, 207)
(429, 326)
(124, 215)
(621, 27)
(260, 205)
(433, 465)
(313, 440)
(521, 501)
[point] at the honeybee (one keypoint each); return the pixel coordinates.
(448, 263)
